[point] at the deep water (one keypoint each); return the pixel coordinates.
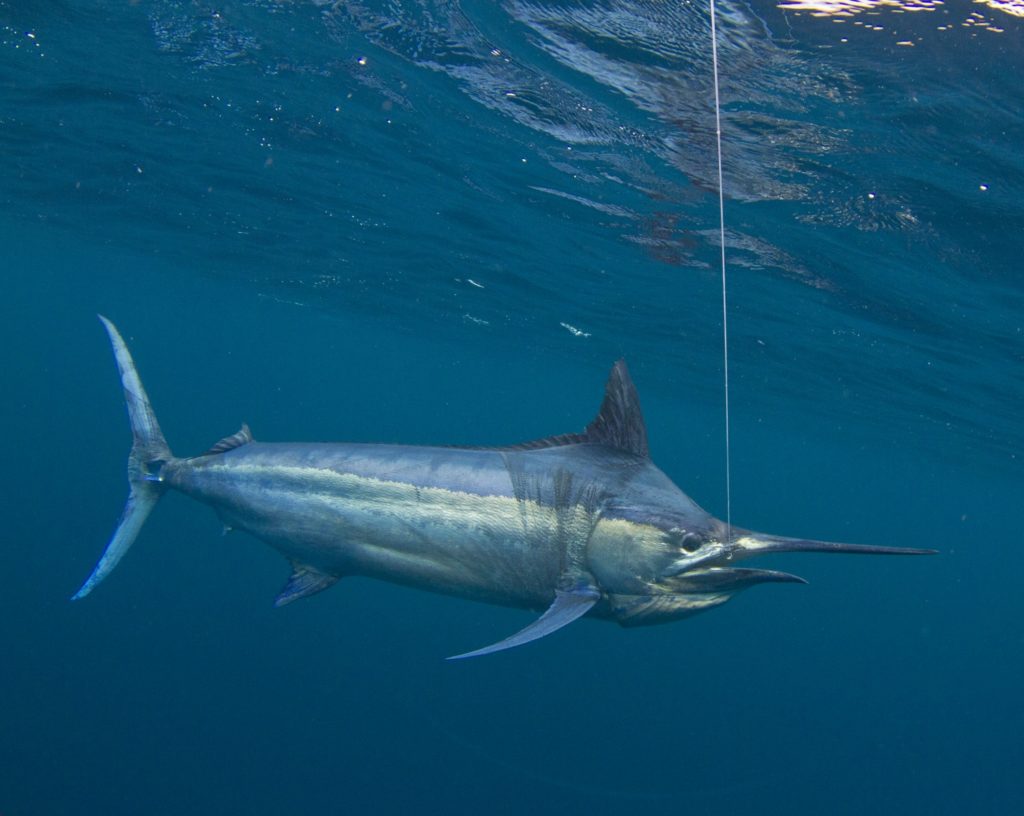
(440, 223)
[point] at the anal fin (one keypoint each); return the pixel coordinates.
(304, 581)
(567, 606)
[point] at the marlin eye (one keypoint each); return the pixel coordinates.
(687, 542)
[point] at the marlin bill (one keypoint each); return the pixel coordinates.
(571, 525)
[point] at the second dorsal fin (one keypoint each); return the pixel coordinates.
(242, 437)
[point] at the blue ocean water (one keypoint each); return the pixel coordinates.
(439, 223)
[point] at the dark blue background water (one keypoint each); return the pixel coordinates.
(440, 223)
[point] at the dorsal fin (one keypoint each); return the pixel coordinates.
(620, 422)
(236, 440)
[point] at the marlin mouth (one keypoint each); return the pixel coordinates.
(715, 573)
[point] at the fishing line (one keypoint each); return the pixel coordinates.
(725, 311)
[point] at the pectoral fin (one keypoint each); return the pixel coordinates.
(304, 581)
(567, 606)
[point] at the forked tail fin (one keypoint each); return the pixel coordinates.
(149, 453)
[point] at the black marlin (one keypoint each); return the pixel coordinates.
(576, 524)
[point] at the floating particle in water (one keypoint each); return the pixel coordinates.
(574, 331)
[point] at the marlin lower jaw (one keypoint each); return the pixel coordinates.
(713, 579)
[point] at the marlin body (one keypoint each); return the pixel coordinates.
(581, 523)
